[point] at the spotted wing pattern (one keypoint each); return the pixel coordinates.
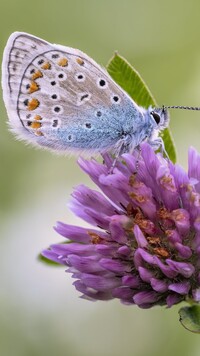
(60, 98)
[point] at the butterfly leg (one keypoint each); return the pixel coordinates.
(117, 154)
(122, 146)
(125, 145)
(138, 158)
(159, 144)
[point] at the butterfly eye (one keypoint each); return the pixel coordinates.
(156, 117)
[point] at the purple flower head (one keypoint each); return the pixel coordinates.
(144, 245)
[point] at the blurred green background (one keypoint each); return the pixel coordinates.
(40, 312)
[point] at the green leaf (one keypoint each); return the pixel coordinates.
(190, 318)
(130, 80)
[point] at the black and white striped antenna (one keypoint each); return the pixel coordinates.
(182, 107)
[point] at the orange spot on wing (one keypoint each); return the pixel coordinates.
(35, 125)
(36, 75)
(37, 117)
(46, 65)
(33, 87)
(63, 62)
(33, 104)
(80, 61)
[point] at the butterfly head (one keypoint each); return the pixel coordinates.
(159, 117)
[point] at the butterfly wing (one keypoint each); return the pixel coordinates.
(58, 97)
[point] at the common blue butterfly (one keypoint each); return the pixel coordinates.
(59, 98)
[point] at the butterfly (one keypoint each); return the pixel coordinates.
(59, 98)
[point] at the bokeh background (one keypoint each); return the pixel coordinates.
(40, 311)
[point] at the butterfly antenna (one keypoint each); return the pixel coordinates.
(182, 107)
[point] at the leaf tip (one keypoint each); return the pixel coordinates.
(189, 318)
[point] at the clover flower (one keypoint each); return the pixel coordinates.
(144, 245)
